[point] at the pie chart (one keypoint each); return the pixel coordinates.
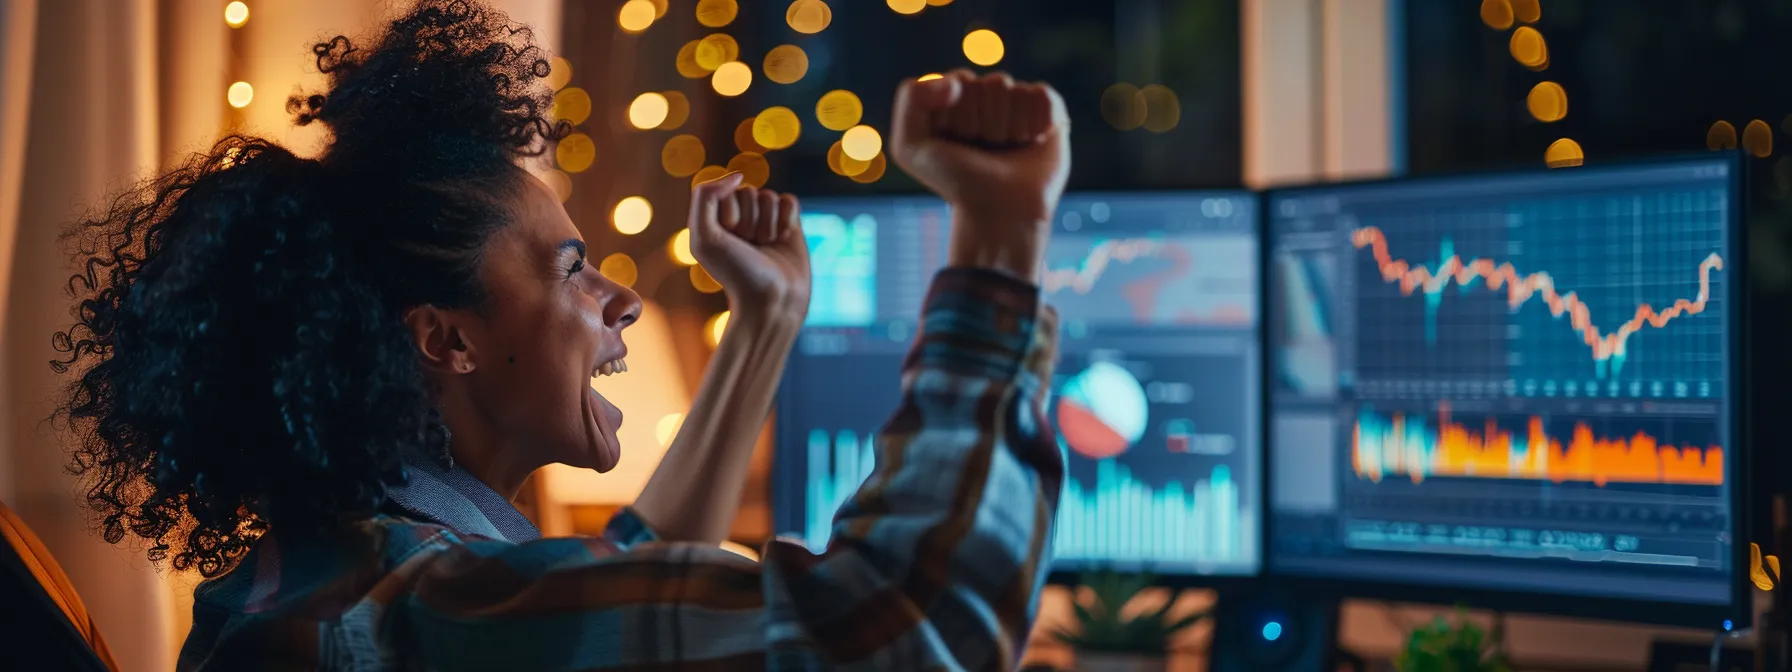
(1101, 412)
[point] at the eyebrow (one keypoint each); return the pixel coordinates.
(572, 243)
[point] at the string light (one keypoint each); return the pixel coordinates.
(559, 73)
(240, 95)
(707, 174)
(732, 79)
(743, 137)
(632, 215)
(843, 165)
(636, 15)
(716, 13)
(930, 77)
(648, 111)
(575, 153)
(682, 156)
(983, 47)
(1529, 48)
(809, 16)
(907, 6)
(1123, 106)
(1563, 153)
(678, 110)
(1722, 136)
(754, 170)
(687, 61)
(873, 172)
(862, 143)
(620, 268)
(1497, 14)
(786, 64)
(1757, 138)
(572, 105)
(1548, 102)
(681, 248)
(716, 327)
(839, 110)
(703, 281)
(1162, 109)
(776, 128)
(716, 50)
(236, 14)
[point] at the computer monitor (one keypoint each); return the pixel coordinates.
(1157, 394)
(1518, 390)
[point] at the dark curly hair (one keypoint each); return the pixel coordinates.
(239, 361)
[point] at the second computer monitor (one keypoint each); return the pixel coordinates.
(1156, 397)
(1522, 387)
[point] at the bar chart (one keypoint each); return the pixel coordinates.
(1200, 523)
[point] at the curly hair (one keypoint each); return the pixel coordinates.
(239, 361)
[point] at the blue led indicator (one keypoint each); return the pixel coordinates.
(1728, 626)
(1272, 631)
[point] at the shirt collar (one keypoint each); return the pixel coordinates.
(452, 497)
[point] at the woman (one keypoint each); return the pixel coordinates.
(320, 382)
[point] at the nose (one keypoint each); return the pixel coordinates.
(622, 307)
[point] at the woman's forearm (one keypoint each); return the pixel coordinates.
(695, 493)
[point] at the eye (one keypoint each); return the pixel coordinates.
(578, 264)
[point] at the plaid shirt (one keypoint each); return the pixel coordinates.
(936, 563)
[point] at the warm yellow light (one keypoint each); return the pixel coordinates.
(1721, 136)
(983, 47)
(687, 61)
(683, 155)
(776, 128)
(862, 143)
(667, 428)
(929, 77)
(678, 110)
(236, 14)
(786, 64)
(939, 3)
(575, 153)
(572, 105)
(844, 165)
(1529, 48)
(740, 550)
(1527, 11)
(1564, 153)
(732, 79)
(707, 174)
(717, 326)
(907, 6)
(636, 15)
(1162, 109)
(809, 16)
(703, 281)
(754, 170)
(716, 13)
(1548, 102)
(681, 248)
(559, 73)
(1123, 106)
(743, 137)
(839, 110)
(874, 170)
(240, 94)
(1497, 14)
(620, 268)
(558, 182)
(1757, 138)
(632, 215)
(648, 110)
(715, 50)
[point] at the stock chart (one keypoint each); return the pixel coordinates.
(1155, 398)
(1512, 382)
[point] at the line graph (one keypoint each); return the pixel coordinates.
(1608, 348)
(1397, 445)
(1200, 280)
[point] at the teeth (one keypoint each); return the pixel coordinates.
(610, 368)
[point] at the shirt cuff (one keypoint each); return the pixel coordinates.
(626, 529)
(982, 322)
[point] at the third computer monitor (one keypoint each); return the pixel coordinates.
(1157, 394)
(1523, 387)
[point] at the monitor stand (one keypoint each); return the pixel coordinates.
(1270, 629)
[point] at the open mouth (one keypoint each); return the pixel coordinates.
(610, 367)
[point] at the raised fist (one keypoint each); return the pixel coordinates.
(998, 151)
(751, 241)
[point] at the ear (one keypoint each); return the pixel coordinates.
(442, 339)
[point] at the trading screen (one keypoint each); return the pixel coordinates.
(1157, 392)
(1513, 383)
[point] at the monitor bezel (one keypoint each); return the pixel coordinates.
(787, 487)
(1738, 614)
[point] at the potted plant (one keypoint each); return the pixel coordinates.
(1460, 647)
(1105, 641)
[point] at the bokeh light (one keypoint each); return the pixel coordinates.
(1721, 136)
(716, 13)
(648, 111)
(872, 172)
(1564, 153)
(620, 268)
(1548, 102)
(575, 153)
(660, 7)
(1497, 14)
(632, 215)
(683, 155)
(667, 428)
(930, 77)
(786, 64)
(1527, 11)
(558, 182)
(732, 79)
(755, 171)
(715, 50)
(706, 174)
(559, 73)
(703, 281)
(907, 6)
(809, 16)
(716, 327)
(743, 137)
(844, 165)
(862, 143)
(1123, 106)
(636, 16)
(1529, 49)
(1757, 138)
(740, 550)
(939, 3)
(573, 105)
(776, 128)
(681, 248)
(678, 110)
(1163, 110)
(236, 14)
(983, 47)
(839, 110)
(240, 95)
(687, 61)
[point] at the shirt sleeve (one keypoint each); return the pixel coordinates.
(935, 563)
